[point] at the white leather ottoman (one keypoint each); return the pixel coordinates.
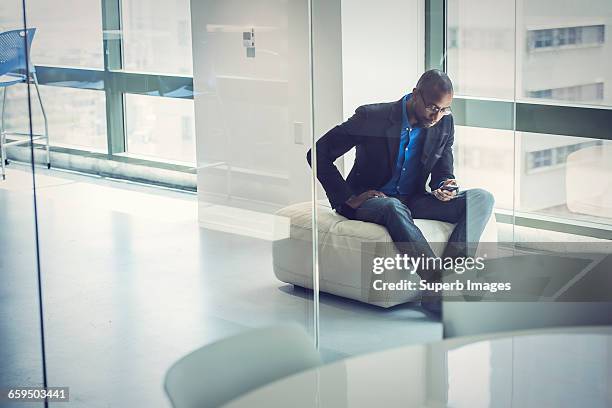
(340, 251)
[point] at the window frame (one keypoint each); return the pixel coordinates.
(589, 122)
(116, 84)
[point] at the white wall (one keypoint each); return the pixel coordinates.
(383, 53)
(383, 50)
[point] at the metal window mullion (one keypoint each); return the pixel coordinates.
(577, 121)
(113, 61)
(167, 86)
(435, 34)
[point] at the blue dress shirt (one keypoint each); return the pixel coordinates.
(408, 164)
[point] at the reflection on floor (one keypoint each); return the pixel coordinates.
(131, 283)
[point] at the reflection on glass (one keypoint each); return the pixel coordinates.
(531, 371)
(54, 19)
(143, 275)
(480, 47)
(157, 36)
(77, 117)
(252, 132)
(560, 176)
(566, 177)
(161, 128)
(11, 15)
(544, 371)
(484, 158)
(473, 390)
(251, 113)
(564, 55)
(560, 56)
(20, 336)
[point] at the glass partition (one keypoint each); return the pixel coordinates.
(180, 204)
(54, 19)
(361, 60)
(532, 107)
(564, 62)
(564, 54)
(149, 122)
(520, 148)
(540, 75)
(565, 165)
(480, 50)
(21, 347)
(175, 213)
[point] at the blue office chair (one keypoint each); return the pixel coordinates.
(13, 71)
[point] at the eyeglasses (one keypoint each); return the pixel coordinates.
(435, 108)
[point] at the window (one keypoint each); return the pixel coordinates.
(484, 159)
(544, 93)
(157, 36)
(57, 22)
(558, 56)
(561, 54)
(558, 37)
(481, 47)
(556, 156)
(571, 170)
(11, 15)
(77, 117)
(542, 158)
(568, 36)
(579, 93)
(542, 38)
(160, 128)
(600, 92)
(69, 46)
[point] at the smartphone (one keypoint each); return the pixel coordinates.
(450, 187)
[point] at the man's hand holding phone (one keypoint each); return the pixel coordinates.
(447, 190)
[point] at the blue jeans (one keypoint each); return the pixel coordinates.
(469, 211)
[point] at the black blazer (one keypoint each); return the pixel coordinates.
(374, 130)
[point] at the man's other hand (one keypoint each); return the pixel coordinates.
(356, 201)
(444, 195)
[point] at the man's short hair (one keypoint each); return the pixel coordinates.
(435, 81)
